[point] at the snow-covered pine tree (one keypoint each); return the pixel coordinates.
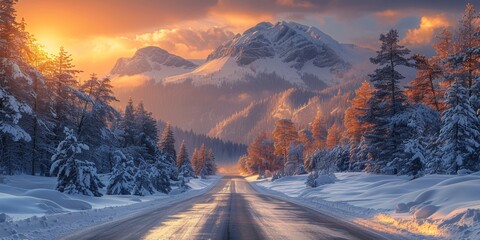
(185, 169)
(142, 184)
(146, 133)
(159, 173)
(122, 179)
(414, 164)
(384, 140)
(74, 176)
(459, 136)
(294, 164)
(167, 146)
(210, 163)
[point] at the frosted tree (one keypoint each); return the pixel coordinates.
(74, 176)
(459, 135)
(184, 165)
(142, 183)
(121, 181)
(167, 146)
(210, 163)
(159, 173)
(384, 140)
(146, 134)
(294, 164)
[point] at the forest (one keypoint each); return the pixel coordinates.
(429, 126)
(52, 124)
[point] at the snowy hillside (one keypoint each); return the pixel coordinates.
(153, 62)
(30, 209)
(433, 206)
(288, 49)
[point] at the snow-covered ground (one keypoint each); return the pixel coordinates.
(31, 209)
(433, 206)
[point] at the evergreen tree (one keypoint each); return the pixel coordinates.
(294, 164)
(167, 146)
(459, 136)
(210, 163)
(142, 184)
(74, 176)
(159, 174)
(383, 139)
(121, 180)
(184, 165)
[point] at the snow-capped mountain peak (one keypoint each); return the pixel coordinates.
(152, 60)
(288, 49)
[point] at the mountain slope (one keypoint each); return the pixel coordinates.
(298, 105)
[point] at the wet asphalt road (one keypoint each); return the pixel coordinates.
(231, 210)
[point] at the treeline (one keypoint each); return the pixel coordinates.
(430, 126)
(53, 125)
(225, 151)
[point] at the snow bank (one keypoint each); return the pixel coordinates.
(29, 209)
(435, 205)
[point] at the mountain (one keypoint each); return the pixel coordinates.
(154, 62)
(290, 50)
(267, 68)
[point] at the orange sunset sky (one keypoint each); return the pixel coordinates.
(97, 32)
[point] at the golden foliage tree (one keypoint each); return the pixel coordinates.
(284, 133)
(319, 130)
(334, 136)
(354, 128)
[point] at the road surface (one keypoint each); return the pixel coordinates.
(231, 210)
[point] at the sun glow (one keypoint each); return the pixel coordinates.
(50, 42)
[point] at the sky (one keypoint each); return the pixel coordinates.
(97, 33)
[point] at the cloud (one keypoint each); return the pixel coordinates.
(425, 31)
(129, 82)
(188, 43)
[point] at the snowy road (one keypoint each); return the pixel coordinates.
(231, 210)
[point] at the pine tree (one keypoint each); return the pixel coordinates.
(121, 180)
(128, 124)
(459, 136)
(184, 165)
(210, 163)
(159, 174)
(384, 140)
(74, 176)
(294, 164)
(142, 184)
(167, 146)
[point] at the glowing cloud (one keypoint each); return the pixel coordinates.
(425, 31)
(129, 82)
